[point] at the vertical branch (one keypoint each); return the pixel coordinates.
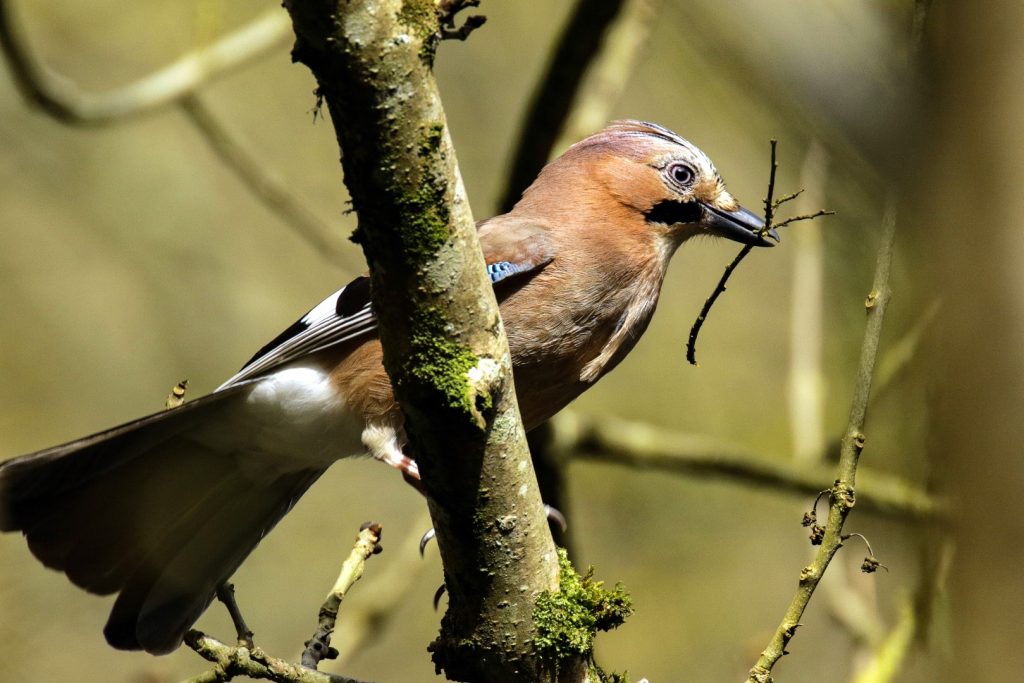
(577, 46)
(806, 376)
(842, 493)
(608, 76)
(444, 345)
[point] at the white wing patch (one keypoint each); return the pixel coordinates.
(324, 328)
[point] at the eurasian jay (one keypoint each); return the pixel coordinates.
(162, 510)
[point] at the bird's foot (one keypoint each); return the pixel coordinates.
(554, 516)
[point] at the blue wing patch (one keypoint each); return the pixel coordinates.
(504, 269)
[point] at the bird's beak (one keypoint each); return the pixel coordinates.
(741, 225)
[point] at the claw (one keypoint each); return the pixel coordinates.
(425, 539)
(441, 590)
(555, 515)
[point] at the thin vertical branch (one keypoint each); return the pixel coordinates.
(806, 373)
(842, 493)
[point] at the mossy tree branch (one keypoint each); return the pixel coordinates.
(444, 344)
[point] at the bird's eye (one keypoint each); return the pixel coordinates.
(681, 174)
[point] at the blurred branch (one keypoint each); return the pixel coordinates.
(610, 72)
(66, 102)
(887, 660)
(643, 446)
(842, 493)
(898, 356)
(806, 375)
(549, 108)
(176, 83)
(270, 190)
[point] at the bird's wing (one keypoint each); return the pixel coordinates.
(511, 248)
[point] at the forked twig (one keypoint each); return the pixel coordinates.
(770, 206)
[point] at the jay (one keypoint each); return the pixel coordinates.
(162, 510)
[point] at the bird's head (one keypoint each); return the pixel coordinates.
(655, 183)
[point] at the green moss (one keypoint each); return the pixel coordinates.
(567, 620)
(424, 207)
(422, 19)
(440, 362)
(432, 140)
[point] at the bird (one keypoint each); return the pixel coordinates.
(162, 510)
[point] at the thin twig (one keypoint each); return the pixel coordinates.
(271, 191)
(318, 647)
(805, 217)
(769, 209)
(770, 205)
(382, 593)
(66, 102)
(226, 594)
(842, 492)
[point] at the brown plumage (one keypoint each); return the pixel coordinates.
(164, 509)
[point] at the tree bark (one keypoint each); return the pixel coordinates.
(444, 345)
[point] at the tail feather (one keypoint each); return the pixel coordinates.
(147, 511)
(175, 583)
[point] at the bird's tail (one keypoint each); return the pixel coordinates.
(150, 512)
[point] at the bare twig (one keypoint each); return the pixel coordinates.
(318, 647)
(643, 446)
(65, 101)
(381, 593)
(177, 395)
(770, 205)
(842, 492)
(805, 217)
(226, 594)
(769, 208)
(265, 186)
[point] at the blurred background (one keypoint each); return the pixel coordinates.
(136, 253)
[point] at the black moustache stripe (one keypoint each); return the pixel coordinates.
(670, 212)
